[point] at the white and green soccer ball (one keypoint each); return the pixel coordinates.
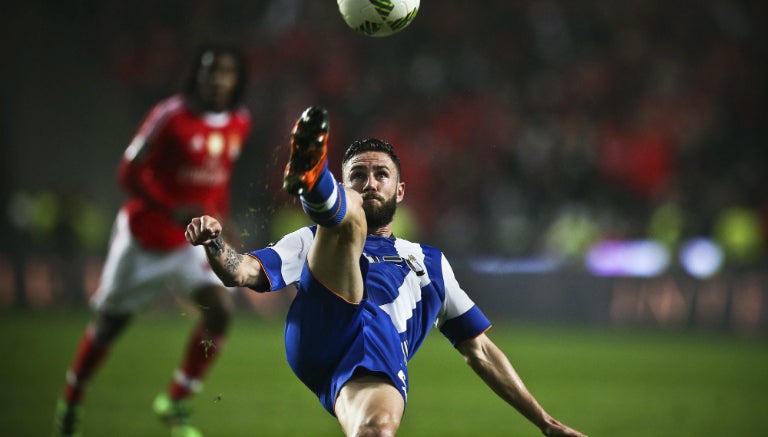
(378, 17)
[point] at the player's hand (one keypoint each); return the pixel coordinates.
(557, 429)
(202, 230)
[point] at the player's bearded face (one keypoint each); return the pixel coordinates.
(380, 213)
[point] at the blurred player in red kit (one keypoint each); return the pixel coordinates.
(177, 166)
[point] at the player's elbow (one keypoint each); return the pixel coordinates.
(227, 278)
(241, 278)
(230, 281)
(477, 362)
(475, 351)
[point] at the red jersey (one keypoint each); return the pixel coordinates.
(179, 159)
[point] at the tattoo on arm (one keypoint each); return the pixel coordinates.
(232, 260)
(227, 267)
(215, 247)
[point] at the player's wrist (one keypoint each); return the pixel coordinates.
(215, 246)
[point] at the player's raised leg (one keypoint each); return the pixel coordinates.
(368, 405)
(334, 258)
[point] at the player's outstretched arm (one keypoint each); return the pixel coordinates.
(490, 363)
(233, 268)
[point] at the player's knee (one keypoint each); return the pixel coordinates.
(107, 327)
(380, 425)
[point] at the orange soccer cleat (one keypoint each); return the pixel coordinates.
(309, 151)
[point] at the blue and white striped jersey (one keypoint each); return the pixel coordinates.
(413, 283)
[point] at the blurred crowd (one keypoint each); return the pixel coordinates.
(525, 128)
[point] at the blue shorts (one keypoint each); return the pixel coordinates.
(328, 339)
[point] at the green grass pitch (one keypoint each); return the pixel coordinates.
(603, 382)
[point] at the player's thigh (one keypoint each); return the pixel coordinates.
(129, 279)
(369, 403)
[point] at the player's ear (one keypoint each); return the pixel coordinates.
(400, 191)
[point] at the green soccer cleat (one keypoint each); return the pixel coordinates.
(175, 414)
(67, 419)
(185, 431)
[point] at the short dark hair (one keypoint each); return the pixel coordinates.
(218, 48)
(372, 145)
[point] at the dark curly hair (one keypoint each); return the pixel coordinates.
(218, 48)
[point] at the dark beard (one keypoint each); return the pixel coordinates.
(378, 216)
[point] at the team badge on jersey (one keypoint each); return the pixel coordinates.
(215, 144)
(415, 265)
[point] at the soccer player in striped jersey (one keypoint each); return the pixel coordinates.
(178, 165)
(366, 299)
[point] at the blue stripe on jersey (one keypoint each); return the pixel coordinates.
(272, 264)
(432, 298)
(466, 326)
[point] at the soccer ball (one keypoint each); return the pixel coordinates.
(378, 17)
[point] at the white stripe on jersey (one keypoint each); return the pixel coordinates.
(401, 309)
(456, 300)
(153, 124)
(135, 147)
(293, 249)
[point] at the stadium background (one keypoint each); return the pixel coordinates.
(563, 154)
